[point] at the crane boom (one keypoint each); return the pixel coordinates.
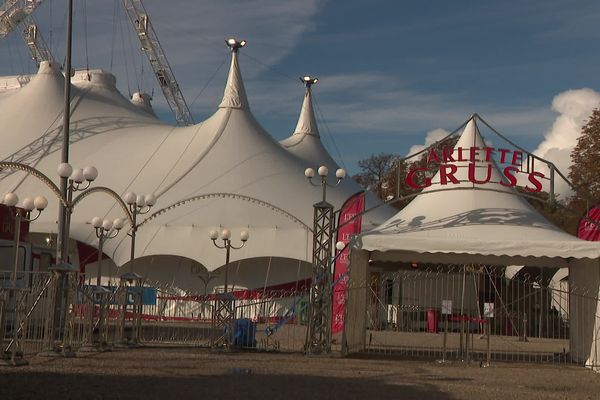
(158, 60)
(18, 12)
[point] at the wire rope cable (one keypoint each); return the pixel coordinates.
(113, 38)
(10, 57)
(85, 35)
(132, 51)
(335, 146)
(125, 58)
(321, 116)
(208, 82)
(270, 67)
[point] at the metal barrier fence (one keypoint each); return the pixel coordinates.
(470, 313)
(97, 319)
(24, 314)
(268, 321)
(453, 312)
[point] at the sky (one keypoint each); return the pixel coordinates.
(393, 74)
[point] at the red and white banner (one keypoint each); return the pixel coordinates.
(589, 228)
(348, 227)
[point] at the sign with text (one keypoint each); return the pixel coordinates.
(446, 307)
(479, 168)
(348, 225)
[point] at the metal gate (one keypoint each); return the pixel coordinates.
(470, 313)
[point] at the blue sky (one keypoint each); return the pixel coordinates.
(391, 71)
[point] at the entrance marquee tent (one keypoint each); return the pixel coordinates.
(468, 223)
(225, 171)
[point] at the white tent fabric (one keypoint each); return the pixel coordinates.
(512, 270)
(305, 143)
(468, 223)
(258, 184)
(482, 220)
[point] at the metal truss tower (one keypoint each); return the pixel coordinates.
(158, 60)
(18, 12)
(318, 334)
(319, 320)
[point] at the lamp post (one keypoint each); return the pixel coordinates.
(71, 180)
(104, 230)
(224, 311)
(78, 180)
(20, 215)
(137, 205)
(205, 280)
(318, 334)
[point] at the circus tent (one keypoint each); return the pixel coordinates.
(489, 224)
(226, 171)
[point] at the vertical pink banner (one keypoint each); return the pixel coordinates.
(349, 227)
(587, 229)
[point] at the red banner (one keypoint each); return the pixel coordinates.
(348, 227)
(7, 224)
(589, 228)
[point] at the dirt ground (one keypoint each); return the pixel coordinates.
(175, 373)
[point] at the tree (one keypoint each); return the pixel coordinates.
(374, 170)
(584, 171)
(557, 212)
(385, 173)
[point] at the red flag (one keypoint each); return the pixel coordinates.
(589, 230)
(349, 227)
(7, 224)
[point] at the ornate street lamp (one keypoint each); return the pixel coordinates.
(104, 230)
(318, 339)
(224, 311)
(137, 205)
(14, 290)
(78, 180)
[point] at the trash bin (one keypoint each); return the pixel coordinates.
(244, 333)
(431, 325)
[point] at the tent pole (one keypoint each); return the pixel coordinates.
(462, 312)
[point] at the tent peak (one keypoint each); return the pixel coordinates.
(234, 95)
(49, 67)
(470, 137)
(307, 123)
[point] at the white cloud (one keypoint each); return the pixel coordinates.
(431, 137)
(574, 107)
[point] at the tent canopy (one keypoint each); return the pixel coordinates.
(468, 222)
(489, 224)
(257, 185)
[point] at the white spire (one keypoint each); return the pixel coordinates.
(307, 124)
(471, 138)
(235, 93)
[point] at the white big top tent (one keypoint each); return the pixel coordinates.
(489, 224)
(226, 171)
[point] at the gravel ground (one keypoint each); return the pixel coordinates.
(175, 373)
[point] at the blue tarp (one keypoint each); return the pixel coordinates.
(244, 333)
